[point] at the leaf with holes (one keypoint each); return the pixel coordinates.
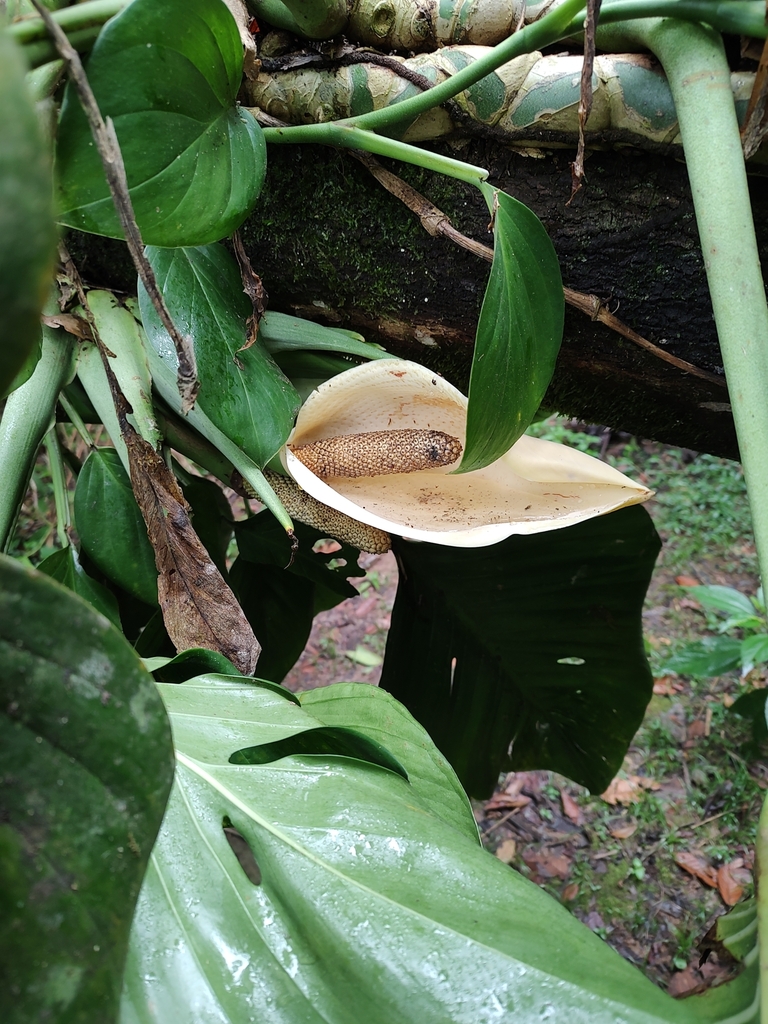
(168, 75)
(529, 653)
(85, 770)
(325, 888)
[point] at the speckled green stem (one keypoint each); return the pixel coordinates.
(761, 883)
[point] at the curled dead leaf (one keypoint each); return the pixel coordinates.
(697, 866)
(506, 851)
(623, 830)
(629, 790)
(571, 809)
(731, 881)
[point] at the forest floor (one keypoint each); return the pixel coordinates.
(690, 788)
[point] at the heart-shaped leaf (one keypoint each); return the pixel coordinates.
(168, 75)
(111, 527)
(241, 390)
(27, 235)
(529, 653)
(519, 333)
(85, 770)
(350, 893)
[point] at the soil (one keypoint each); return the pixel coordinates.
(686, 790)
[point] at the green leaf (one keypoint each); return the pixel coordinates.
(85, 770)
(754, 651)
(280, 607)
(281, 333)
(64, 566)
(27, 234)
(363, 656)
(723, 599)
(191, 663)
(529, 653)
(711, 656)
(262, 540)
(519, 333)
(168, 75)
(111, 527)
(754, 706)
(242, 391)
(370, 905)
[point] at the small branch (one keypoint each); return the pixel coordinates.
(435, 222)
(253, 288)
(106, 142)
(585, 93)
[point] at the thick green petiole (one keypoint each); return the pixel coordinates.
(28, 415)
(349, 137)
(59, 479)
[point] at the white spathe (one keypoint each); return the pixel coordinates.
(536, 486)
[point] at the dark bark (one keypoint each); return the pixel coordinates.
(330, 244)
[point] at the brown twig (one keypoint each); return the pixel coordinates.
(108, 147)
(435, 222)
(253, 288)
(585, 93)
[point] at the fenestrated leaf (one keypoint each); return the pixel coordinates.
(27, 235)
(519, 333)
(367, 905)
(242, 391)
(168, 75)
(64, 566)
(110, 525)
(528, 653)
(85, 770)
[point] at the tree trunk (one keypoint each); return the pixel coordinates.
(332, 245)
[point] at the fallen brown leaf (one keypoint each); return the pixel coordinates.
(686, 581)
(571, 809)
(732, 879)
(663, 687)
(502, 801)
(686, 983)
(71, 324)
(627, 791)
(547, 864)
(696, 729)
(506, 851)
(199, 609)
(571, 891)
(697, 866)
(623, 831)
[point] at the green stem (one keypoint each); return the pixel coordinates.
(761, 886)
(71, 19)
(740, 17)
(75, 419)
(699, 77)
(28, 415)
(349, 137)
(164, 382)
(59, 479)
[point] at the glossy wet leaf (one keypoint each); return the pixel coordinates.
(64, 566)
(168, 75)
(111, 527)
(242, 391)
(191, 663)
(369, 904)
(519, 333)
(27, 235)
(527, 654)
(85, 771)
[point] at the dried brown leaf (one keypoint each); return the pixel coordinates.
(731, 880)
(199, 609)
(686, 581)
(697, 866)
(506, 851)
(571, 891)
(624, 830)
(71, 324)
(571, 809)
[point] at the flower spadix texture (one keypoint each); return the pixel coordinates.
(536, 486)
